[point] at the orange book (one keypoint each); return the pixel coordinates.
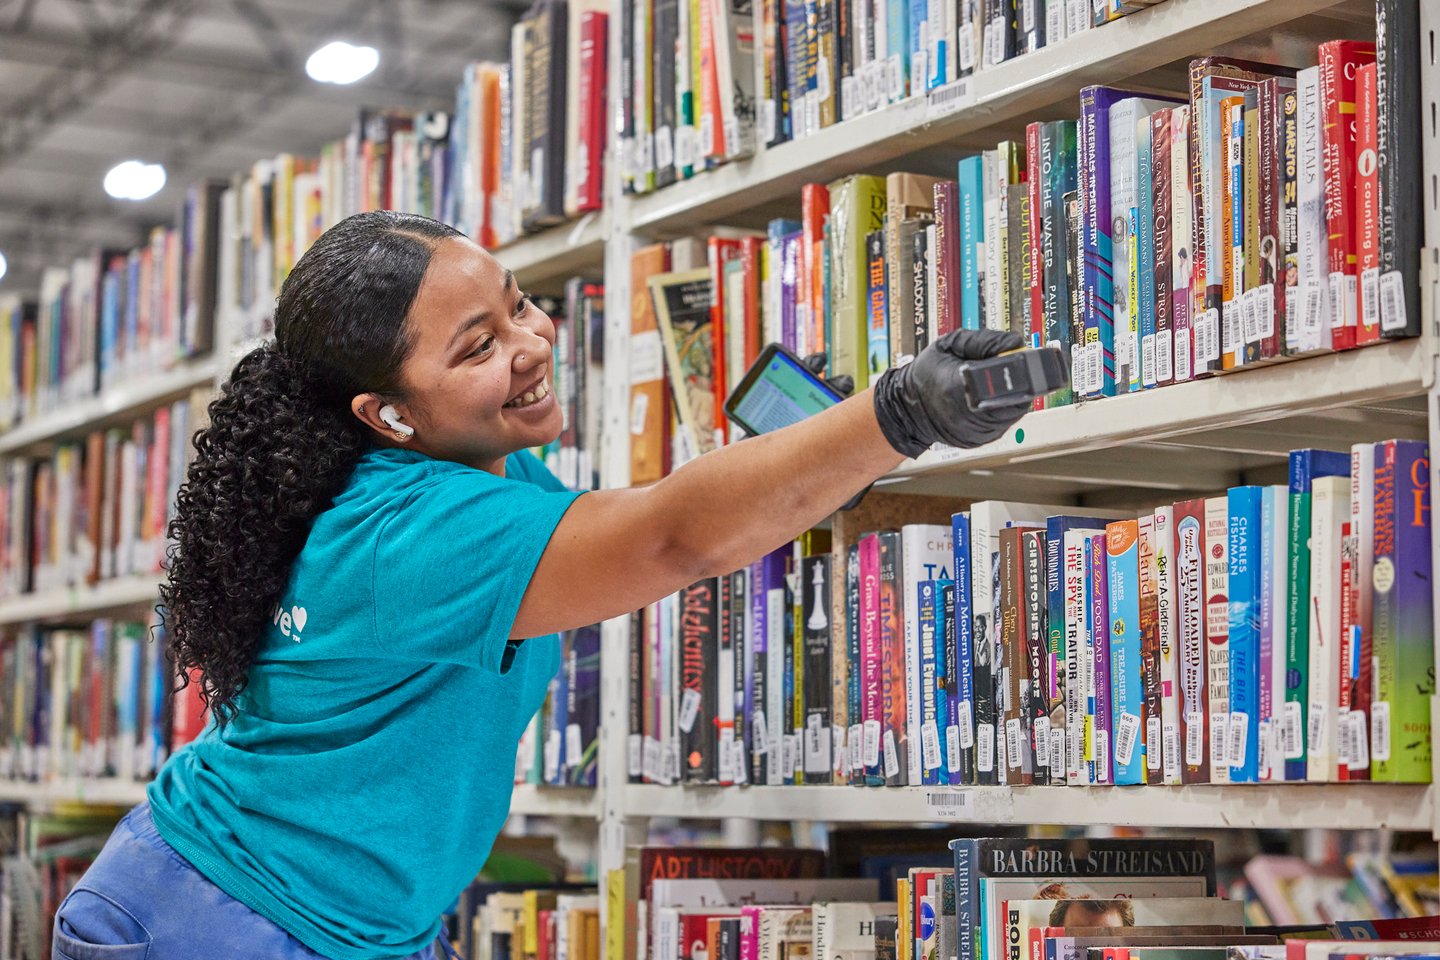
(814, 208)
(719, 251)
(1367, 204)
(488, 84)
(649, 394)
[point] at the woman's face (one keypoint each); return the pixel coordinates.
(479, 381)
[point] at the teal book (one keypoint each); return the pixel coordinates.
(1244, 586)
(972, 239)
(1122, 570)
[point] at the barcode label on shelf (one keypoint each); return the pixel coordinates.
(1380, 731)
(1337, 301)
(952, 748)
(1152, 743)
(1040, 739)
(1194, 739)
(985, 747)
(689, 709)
(1102, 755)
(966, 724)
(1127, 734)
(872, 743)
(1057, 752)
(1220, 740)
(930, 745)
(1172, 750)
(948, 804)
(1392, 302)
(1370, 297)
(1239, 738)
(1147, 360)
(1012, 742)
(855, 746)
(1360, 758)
(951, 98)
(1316, 739)
(1207, 337)
(635, 750)
(1163, 355)
(761, 734)
(1291, 731)
(892, 755)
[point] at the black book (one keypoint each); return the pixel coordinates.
(1036, 721)
(1399, 125)
(1057, 165)
(914, 292)
(699, 653)
(667, 29)
(818, 642)
(792, 771)
(639, 690)
(545, 33)
(886, 929)
(740, 646)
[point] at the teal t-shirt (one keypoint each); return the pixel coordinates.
(369, 766)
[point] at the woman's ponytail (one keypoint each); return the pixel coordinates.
(282, 442)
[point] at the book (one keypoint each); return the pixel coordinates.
(682, 309)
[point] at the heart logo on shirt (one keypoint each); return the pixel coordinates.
(298, 617)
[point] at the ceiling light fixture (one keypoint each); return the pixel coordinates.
(340, 62)
(134, 180)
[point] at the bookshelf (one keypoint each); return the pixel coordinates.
(122, 594)
(544, 261)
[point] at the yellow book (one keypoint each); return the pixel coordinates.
(902, 927)
(857, 207)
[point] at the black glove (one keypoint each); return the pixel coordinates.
(924, 402)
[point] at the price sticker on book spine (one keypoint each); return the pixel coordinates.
(573, 745)
(822, 78)
(1057, 753)
(769, 120)
(689, 709)
(930, 745)
(1250, 316)
(672, 762)
(1207, 337)
(1077, 17)
(1266, 761)
(1393, 318)
(1337, 300)
(855, 745)
(1164, 372)
(1147, 360)
(1316, 738)
(1012, 742)
(1219, 740)
(895, 73)
(1127, 734)
(1344, 730)
(1265, 305)
(872, 743)
(1194, 739)
(1171, 764)
(707, 138)
(1380, 731)
(725, 772)
(852, 98)
(952, 748)
(635, 747)
(760, 736)
(1040, 740)
(892, 755)
(966, 50)
(552, 756)
(1292, 731)
(984, 747)
(1360, 758)
(651, 762)
(1153, 748)
(1102, 755)
(817, 749)
(788, 750)
(965, 722)
(1239, 738)
(841, 759)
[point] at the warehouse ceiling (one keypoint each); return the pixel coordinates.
(206, 87)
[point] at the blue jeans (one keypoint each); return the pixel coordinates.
(141, 900)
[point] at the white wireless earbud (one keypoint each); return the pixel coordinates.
(392, 419)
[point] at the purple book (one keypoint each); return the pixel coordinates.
(584, 706)
(1100, 638)
(790, 267)
(1097, 281)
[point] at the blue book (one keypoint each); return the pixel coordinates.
(930, 757)
(947, 663)
(1067, 647)
(972, 235)
(919, 13)
(961, 694)
(1244, 588)
(897, 33)
(795, 71)
(1122, 574)
(1305, 466)
(1097, 283)
(1145, 251)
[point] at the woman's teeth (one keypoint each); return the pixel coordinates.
(533, 396)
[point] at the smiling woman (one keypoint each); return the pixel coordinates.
(359, 550)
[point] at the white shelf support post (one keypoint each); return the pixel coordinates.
(1430, 316)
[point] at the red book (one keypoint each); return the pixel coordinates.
(750, 251)
(719, 251)
(727, 863)
(894, 740)
(590, 165)
(947, 267)
(814, 207)
(1035, 280)
(1367, 205)
(1339, 61)
(1188, 557)
(188, 717)
(871, 679)
(544, 929)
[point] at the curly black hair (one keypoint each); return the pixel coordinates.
(282, 441)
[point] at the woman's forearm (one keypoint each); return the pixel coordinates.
(731, 506)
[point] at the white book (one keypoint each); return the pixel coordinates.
(1217, 633)
(926, 553)
(1078, 661)
(1329, 512)
(845, 930)
(990, 211)
(735, 69)
(725, 679)
(775, 705)
(1276, 571)
(1165, 595)
(1313, 314)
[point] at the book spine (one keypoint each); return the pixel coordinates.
(1151, 715)
(988, 261)
(1035, 688)
(947, 658)
(1017, 244)
(1358, 671)
(588, 166)
(1217, 634)
(1403, 619)
(1288, 147)
(1165, 614)
(1314, 310)
(946, 254)
(1057, 692)
(1012, 654)
(1098, 600)
(877, 353)
(1057, 147)
(1077, 657)
(1127, 695)
(855, 670)
(1265, 695)
(1297, 637)
(818, 643)
(777, 652)
(930, 759)
(1190, 616)
(1270, 302)
(794, 725)
(1123, 198)
(1249, 218)
(967, 897)
(962, 710)
(1035, 275)
(984, 633)
(1244, 587)
(1330, 508)
(872, 693)
(971, 251)
(1182, 243)
(1162, 239)
(1367, 206)
(1097, 286)
(1232, 212)
(1339, 61)
(895, 743)
(1398, 124)
(635, 741)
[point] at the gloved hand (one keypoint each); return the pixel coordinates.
(924, 402)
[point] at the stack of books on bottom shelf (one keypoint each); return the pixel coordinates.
(1264, 633)
(989, 898)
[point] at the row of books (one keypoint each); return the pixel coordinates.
(93, 702)
(561, 744)
(96, 508)
(579, 361)
(111, 316)
(697, 88)
(540, 923)
(1289, 890)
(1267, 634)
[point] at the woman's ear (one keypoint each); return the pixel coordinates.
(385, 419)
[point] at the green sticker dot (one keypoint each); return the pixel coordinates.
(1019, 435)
